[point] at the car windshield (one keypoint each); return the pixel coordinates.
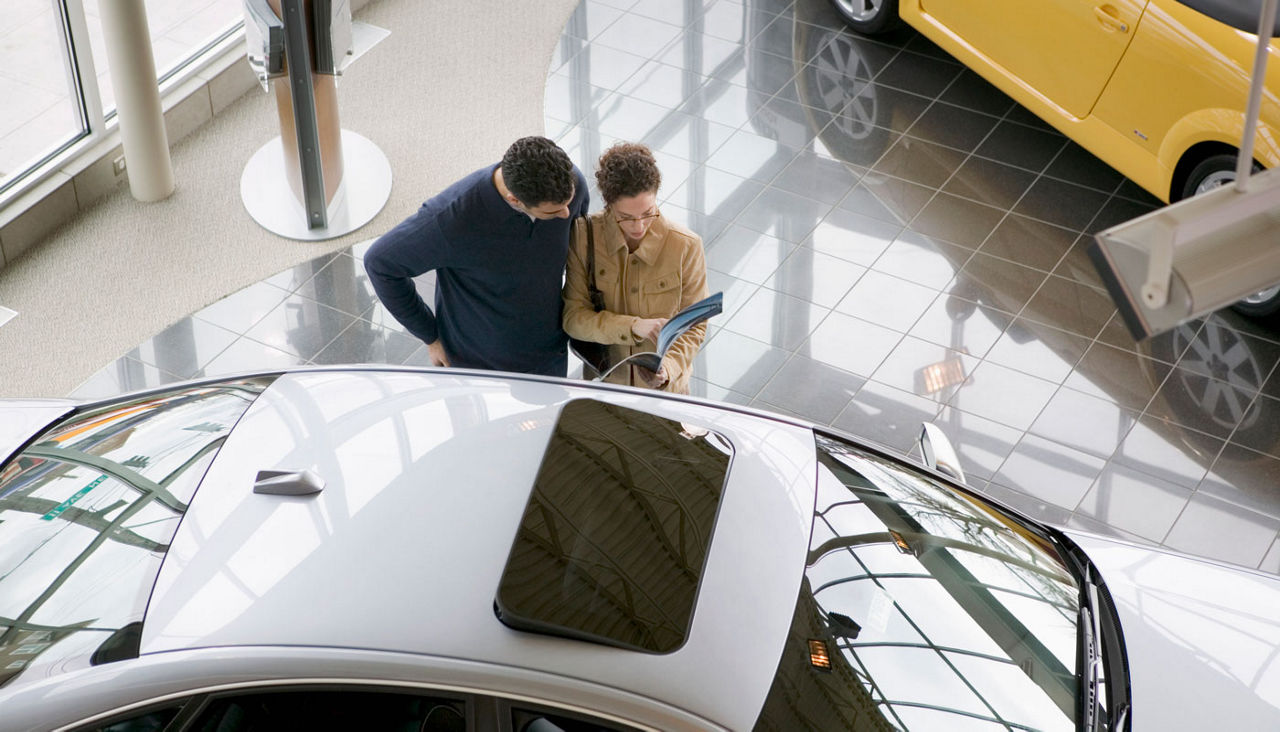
(87, 512)
(924, 608)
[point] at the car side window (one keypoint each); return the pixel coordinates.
(371, 710)
(151, 720)
(531, 720)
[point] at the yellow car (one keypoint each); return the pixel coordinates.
(1155, 88)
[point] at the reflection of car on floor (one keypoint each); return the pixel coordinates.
(1216, 384)
(829, 70)
(449, 550)
(1155, 88)
(1220, 373)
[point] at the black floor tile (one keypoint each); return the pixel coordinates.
(919, 74)
(1117, 210)
(953, 126)
(1027, 241)
(1076, 165)
(919, 161)
(1070, 306)
(845, 54)
(999, 283)
(987, 181)
(973, 92)
(957, 220)
(1025, 147)
(884, 107)
(1064, 204)
(887, 198)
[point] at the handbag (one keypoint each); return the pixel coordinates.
(594, 356)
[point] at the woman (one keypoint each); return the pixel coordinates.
(647, 267)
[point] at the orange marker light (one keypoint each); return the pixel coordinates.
(818, 655)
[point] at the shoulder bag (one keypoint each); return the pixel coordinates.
(594, 356)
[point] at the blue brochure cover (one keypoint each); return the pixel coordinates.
(677, 325)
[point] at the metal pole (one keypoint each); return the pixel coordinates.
(133, 76)
(297, 54)
(1266, 26)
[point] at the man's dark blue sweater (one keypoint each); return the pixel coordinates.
(498, 277)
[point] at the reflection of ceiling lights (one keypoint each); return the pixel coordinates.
(901, 542)
(937, 376)
(6, 314)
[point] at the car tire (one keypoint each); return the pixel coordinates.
(868, 16)
(1260, 304)
(1219, 170)
(1212, 172)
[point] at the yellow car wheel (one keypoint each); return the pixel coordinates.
(1212, 172)
(868, 16)
(1260, 304)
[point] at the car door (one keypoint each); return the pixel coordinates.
(1062, 50)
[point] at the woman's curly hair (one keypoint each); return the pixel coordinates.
(627, 169)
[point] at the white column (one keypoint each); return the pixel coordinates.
(133, 76)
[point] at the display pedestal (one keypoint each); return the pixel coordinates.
(365, 189)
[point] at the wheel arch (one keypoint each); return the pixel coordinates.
(1191, 158)
(1208, 132)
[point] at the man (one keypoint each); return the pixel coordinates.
(497, 240)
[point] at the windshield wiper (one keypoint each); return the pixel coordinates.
(1104, 672)
(1091, 657)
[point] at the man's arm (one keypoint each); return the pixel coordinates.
(415, 246)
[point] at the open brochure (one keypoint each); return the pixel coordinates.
(675, 327)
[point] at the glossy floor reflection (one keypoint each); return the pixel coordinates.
(897, 242)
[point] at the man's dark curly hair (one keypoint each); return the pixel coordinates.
(627, 169)
(537, 171)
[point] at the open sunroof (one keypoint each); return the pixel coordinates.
(614, 539)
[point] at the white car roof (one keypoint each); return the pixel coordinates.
(426, 480)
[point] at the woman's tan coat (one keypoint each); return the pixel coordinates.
(667, 273)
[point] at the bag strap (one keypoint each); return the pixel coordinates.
(597, 297)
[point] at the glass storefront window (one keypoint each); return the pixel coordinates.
(45, 108)
(179, 32)
(42, 111)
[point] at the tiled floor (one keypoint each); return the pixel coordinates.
(897, 241)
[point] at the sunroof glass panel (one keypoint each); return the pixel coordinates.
(614, 538)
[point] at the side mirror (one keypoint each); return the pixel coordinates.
(938, 452)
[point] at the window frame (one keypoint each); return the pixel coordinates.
(486, 710)
(73, 155)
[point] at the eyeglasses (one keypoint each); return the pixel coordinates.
(637, 219)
